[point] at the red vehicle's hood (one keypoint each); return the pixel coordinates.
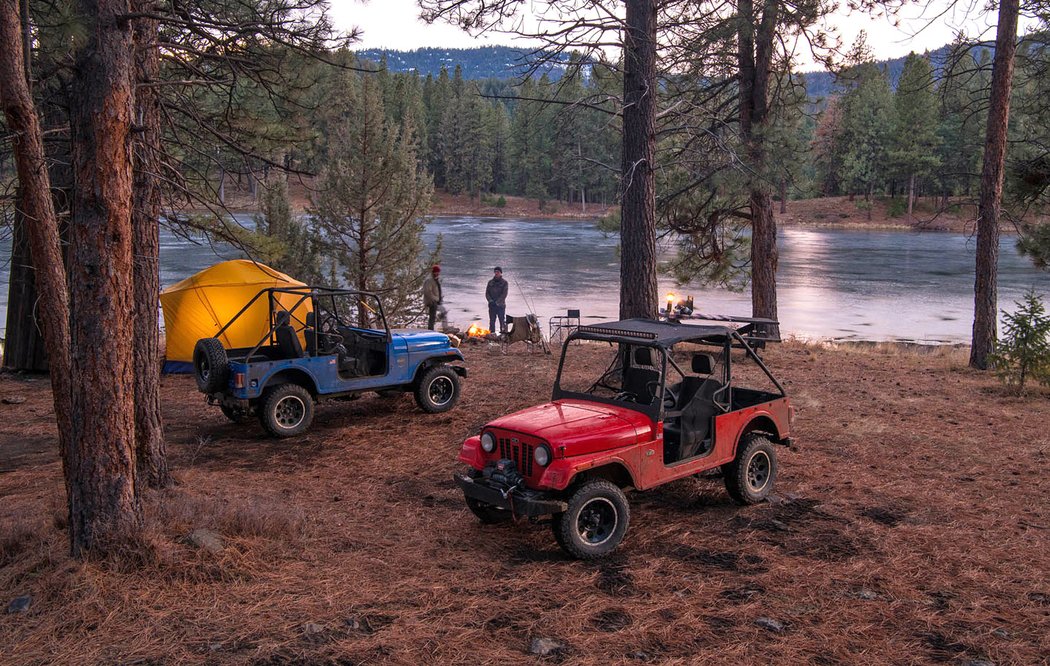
(580, 426)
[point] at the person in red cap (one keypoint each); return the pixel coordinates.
(432, 296)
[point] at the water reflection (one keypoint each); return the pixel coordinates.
(867, 285)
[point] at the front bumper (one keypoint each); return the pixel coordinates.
(521, 503)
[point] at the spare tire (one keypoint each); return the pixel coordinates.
(211, 368)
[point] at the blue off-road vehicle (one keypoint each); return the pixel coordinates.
(322, 344)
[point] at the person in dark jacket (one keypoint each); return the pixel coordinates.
(432, 299)
(496, 295)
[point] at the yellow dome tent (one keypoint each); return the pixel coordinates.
(200, 305)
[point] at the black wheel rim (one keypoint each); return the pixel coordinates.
(289, 411)
(203, 369)
(441, 390)
(596, 521)
(758, 469)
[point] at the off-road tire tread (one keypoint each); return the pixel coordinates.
(423, 400)
(564, 528)
(736, 472)
(270, 397)
(218, 362)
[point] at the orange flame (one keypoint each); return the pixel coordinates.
(476, 331)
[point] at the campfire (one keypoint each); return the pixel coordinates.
(476, 331)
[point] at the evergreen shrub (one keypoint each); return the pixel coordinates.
(1024, 351)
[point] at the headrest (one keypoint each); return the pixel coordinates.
(703, 364)
(642, 356)
(311, 319)
(283, 318)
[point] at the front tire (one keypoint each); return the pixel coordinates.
(437, 390)
(750, 477)
(595, 522)
(286, 410)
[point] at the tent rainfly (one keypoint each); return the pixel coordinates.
(200, 305)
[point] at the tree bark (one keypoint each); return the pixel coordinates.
(986, 299)
(150, 455)
(911, 194)
(41, 222)
(23, 345)
(101, 478)
(783, 196)
(638, 290)
(755, 51)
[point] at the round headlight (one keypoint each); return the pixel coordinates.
(542, 455)
(488, 442)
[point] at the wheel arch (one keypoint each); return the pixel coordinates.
(615, 472)
(445, 359)
(762, 424)
(292, 376)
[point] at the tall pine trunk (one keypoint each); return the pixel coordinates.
(911, 194)
(638, 291)
(985, 299)
(101, 475)
(41, 223)
(755, 51)
(24, 345)
(150, 455)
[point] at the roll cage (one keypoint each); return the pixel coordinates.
(661, 337)
(322, 299)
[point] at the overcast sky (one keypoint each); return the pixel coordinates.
(395, 24)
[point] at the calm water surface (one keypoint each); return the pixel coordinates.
(841, 284)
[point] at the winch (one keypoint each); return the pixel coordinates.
(505, 472)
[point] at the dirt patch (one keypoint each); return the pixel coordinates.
(898, 534)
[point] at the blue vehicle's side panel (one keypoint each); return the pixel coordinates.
(406, 351)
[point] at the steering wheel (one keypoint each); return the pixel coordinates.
(329, 328)
(626, 396)
(670, 397)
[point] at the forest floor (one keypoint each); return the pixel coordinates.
(910, 525)
(881, 213)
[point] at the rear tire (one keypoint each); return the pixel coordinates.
(211, 367)
(595, 522)
(286, 410)
(437, 390)
(750, 477)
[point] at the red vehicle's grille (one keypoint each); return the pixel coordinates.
(514, 447)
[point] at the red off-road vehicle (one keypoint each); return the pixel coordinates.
(646, 421)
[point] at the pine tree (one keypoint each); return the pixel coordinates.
(1024, 351)
(293, 247)
(868, 121)
(915, 140)
(828, 149)
(373, 195)
(963, 115)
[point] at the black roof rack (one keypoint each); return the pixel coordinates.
(668, 332)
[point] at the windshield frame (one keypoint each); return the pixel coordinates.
(654, 410)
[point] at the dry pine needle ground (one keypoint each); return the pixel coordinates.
(910, 527)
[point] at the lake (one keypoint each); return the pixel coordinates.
(833, 283)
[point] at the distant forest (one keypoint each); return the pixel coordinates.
(877, 128)
(911, 125)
